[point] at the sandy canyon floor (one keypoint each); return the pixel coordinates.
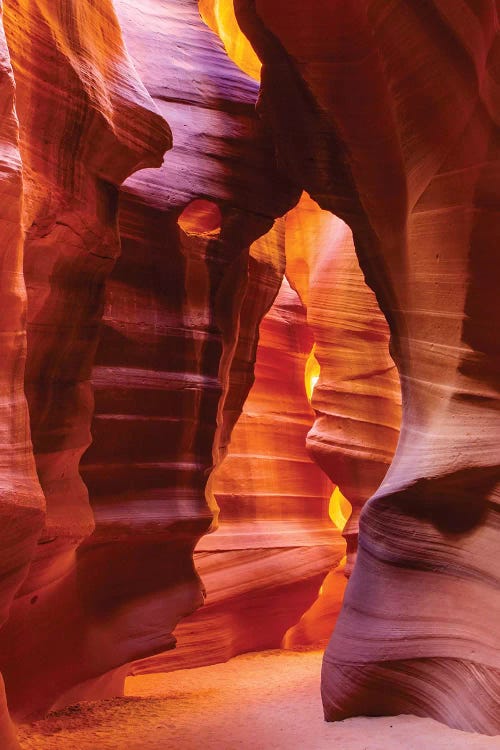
(261, 701)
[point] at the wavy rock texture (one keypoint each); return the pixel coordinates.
(178, 324)
(173, 349)
(267, 475)
(357, 398)
(179, 334)
(86, 122)
(21, 499)
(418, 630)
(264, 565)
(348, 90)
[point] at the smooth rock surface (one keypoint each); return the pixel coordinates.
(357, 397)
(349, 90)
(264, 565)
(86, 123)
(180, 324)
(133, 294)
(22, 503)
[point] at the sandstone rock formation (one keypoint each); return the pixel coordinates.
(133, 294)
(96, 600)
(180, 326)
(176, 342)
(264, 565)
(86, 122)
(219, 15)
(21, 499)
(387, 114)
(357, 395)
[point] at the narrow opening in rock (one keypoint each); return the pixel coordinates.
(220, 17)
(200, 217)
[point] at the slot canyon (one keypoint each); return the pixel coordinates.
(251, 390)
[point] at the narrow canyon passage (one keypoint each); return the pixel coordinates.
(265, 701)
(249, 374)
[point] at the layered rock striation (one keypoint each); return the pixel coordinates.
(264, 565)
(86, 123)
(160, 360)
(357, 397)
(133, 293)
(177, 345)
(21, 500)
(420, 193)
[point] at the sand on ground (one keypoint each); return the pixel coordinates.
(258, 701)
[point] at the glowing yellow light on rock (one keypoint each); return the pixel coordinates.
(219, 16)
(311, 373)
(339, 509)
(200, 217)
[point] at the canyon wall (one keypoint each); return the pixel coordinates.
(357, 397)
(175, 363)
(387, 114)
(135, 285)
(277, 541)
(275, 544)
(21, 499)
(86, 123)
(165, 346)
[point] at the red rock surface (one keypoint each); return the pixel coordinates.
(112, 577)
(86, 123)
(133, 294)
(267, 474)
(21, 499)
(264, 565)
(359, 82)
(357, 396)
(171, 334)
(178, 344)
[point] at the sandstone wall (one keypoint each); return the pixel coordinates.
(394, 114)
(162, 345)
